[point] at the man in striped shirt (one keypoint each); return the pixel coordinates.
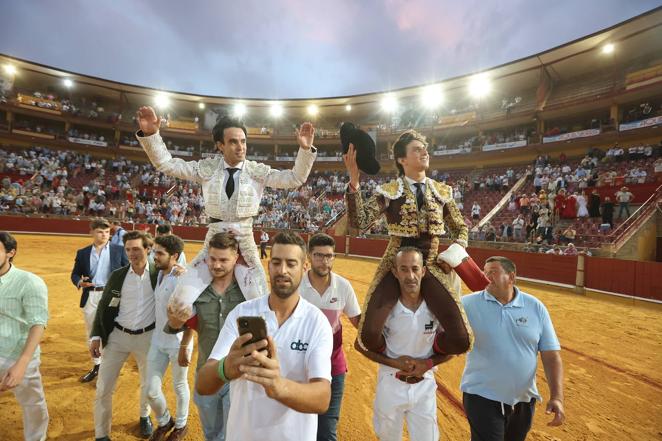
(23, 316)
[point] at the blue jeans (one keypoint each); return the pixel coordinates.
(213, 411)
(327, 423)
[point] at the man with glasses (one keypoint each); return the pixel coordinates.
(334, 295)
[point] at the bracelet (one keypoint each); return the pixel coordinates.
(221, 370)
(428, 362)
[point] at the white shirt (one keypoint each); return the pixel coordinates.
(264, 237)
(137, 304)
(339, 297)
(304, 345)
(412, 185)
(100, 265)
(409, 333)
(235, 176)
(165, 285)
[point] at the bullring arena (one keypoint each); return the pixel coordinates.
(612, 353)
(554, 160)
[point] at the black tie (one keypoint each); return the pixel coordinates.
(229, 186)
(420, 197)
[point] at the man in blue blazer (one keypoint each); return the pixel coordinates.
(92, 267)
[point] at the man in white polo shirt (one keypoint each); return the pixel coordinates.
(333, 295)
(406, 388)
(277, 385)
(499, 380)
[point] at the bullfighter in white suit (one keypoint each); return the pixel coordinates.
(232, 188)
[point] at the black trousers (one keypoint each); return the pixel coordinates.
(263, 250)
(494, 421)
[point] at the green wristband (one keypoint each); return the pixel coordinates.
(221, 370)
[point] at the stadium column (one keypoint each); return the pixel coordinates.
(579, 279)
(614, 114)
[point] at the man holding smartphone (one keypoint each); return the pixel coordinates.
(279, 384)
(211, 309)
(333, 295)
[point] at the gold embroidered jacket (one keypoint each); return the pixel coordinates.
(397, 202)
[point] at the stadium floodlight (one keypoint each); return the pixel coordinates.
(313, 110)
(239, 110)
(10, 69)
(276, 110)
(480, 86)
(348, 108)
(161, 100)
(201, 106)
(389, 103)
(68, 83)
(608, 48)
(431, 96)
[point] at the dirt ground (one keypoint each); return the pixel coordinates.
(612, 356)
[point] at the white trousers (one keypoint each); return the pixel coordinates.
(396, 401)
(251, 278)
(30, 396)
(120, 346)
(89, 311)
(158, 360)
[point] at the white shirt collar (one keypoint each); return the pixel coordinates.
(240, 165)
(411, 182)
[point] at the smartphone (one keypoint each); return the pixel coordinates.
(255, 325)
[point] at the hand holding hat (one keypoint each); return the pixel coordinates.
(364, 146)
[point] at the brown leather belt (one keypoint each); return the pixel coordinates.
(409, 379)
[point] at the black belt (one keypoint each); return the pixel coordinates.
(409, 379)
(135, 331)
(213, 220)
(97, 288)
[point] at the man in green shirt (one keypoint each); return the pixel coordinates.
(23, 317)
(211, 309)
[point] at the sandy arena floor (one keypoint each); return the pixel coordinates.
(612, 356)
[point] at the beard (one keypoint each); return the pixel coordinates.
(283, 291)
(321, 272)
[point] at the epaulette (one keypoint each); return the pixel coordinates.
(391, 190)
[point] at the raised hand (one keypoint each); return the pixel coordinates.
(352, 166)
(148, 120)
(306, 135)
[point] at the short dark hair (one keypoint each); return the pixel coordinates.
(289, 238)
(321, 240)
(8, 242)
(164, 229)
(507, 264)
(224, 241)
(99, 222)
(408, 249)
(400, 147)
(226, 122)
(137, 234)
(172, 244)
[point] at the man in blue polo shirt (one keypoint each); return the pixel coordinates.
(499, 380)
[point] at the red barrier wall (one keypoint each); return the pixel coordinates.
(641, 279)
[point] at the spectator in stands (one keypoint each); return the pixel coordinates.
(570, 250)
(569, 235)
(475, 210)
(518, 225)
(624, 197)
(582, 210)
(608, 212)
(594, 204)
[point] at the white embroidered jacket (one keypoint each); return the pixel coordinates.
(209, 173)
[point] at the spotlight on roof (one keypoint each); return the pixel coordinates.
(161, 100)
(608, 48)
(68, 83)
(276, 110)
(431, 96)
(313, 110)
(348, 108)
(480, 86)
(239, 110)
(389, 103)
(201, 106)
(9, 69)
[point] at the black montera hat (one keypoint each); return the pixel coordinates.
(364, 145)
